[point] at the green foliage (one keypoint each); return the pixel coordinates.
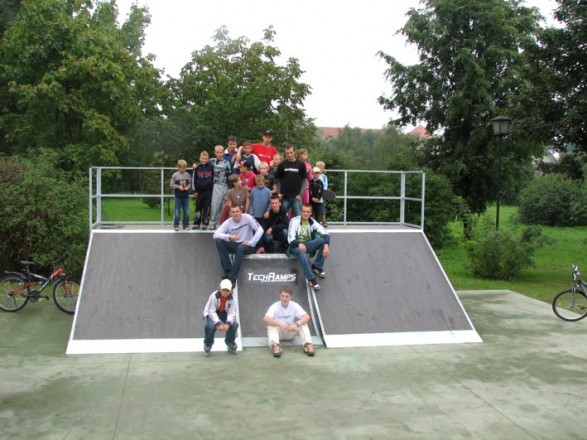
(500, 255)
(439, 209)
(554, 200)
(470, 58)
(43, 213)
(554, 106)
(71, 80)
(238, 88)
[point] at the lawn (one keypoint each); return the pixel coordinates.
(550, 275)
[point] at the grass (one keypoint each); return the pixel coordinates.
(550, 275)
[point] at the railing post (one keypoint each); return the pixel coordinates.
(162, 179)
(402, 194)
(345, 199)
(90, 201)
(423, 200)
(99, 196)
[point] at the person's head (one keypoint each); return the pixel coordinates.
(276, 159)
(306, 211)
(182, 165)
(231, 143)
(244, 167)
(290, 153)
(267, 137)
(235, 180)
(225, 288)
(264, 168)
(303, 154)
(204, 157)
(285, 294)
(275, 203)
(316, 171)
(260, 180)
(247, 147)
(236, 213)
(321, 165)
(219, 152)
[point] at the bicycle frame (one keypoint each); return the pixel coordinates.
(35, 278)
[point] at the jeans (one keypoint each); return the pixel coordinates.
(182, 203)
(239, 250)
(316, 245)
(210, 330)
(294, 203)
(268, 239)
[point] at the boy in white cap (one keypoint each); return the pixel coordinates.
(220, 314)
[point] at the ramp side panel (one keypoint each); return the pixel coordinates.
(146, 286)
(386, 283)
(259, 282)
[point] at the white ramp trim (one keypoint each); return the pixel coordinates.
(401, 338)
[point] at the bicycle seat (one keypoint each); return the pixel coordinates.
(28, 263)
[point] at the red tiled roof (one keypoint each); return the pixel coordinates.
(420, 132)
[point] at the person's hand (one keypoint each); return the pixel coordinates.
(246, 243)
(326, 251)
(223, 327)
(266, 215)
(299, 197)
(233, 237)
(268, 231)
(303, 248)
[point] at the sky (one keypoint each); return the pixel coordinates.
(336, 43)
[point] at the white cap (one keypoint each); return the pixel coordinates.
(225, 285)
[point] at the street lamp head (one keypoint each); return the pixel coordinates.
(501, 125)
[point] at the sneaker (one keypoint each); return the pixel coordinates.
(319, 272)
(231, 348)
(207, 349)
(186, 228)
(276, 350)
(309, 349)
(211, 227)
(196, 227)
(314, 284)
(176, 228)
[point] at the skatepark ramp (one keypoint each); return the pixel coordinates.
(144, 291)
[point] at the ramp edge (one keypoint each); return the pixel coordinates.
(401, 338)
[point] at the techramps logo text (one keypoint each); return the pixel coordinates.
(271, 277)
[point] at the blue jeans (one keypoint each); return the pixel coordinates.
(210, 330)
(182, 203)
(268, 239)
(316, 245)
(294, 203)
(239, 250)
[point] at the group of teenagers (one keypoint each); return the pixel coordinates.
(249, 192)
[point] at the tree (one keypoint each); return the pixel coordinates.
(557, 69)
(237, 88)
(72, 80)
(470, 58)
(43, 213)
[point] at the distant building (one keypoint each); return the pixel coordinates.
(421, 133)
(328, 133)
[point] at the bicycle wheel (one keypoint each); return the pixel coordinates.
(569, 306)
(11, 301)
(65, 294)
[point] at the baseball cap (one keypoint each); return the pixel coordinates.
(316, 170)
(268, 133)
(225, 285)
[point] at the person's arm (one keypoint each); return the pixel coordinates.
(231, 318)
(172, 184)
(210, 310)
(222, 232)
(270, 321)
(303, 188)
(258, 232)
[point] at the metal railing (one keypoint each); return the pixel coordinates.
(353, 193)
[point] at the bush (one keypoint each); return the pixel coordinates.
(43, 212)
(501, 256)
(554, 200)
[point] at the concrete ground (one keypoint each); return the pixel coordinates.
(526, 381)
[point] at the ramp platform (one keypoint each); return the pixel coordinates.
(144, 291)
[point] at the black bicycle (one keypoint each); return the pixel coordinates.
(571, 305)
(18, 288)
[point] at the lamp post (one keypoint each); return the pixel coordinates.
(501, 126)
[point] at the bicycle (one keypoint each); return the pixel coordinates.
(571, 305)
(18, 288)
